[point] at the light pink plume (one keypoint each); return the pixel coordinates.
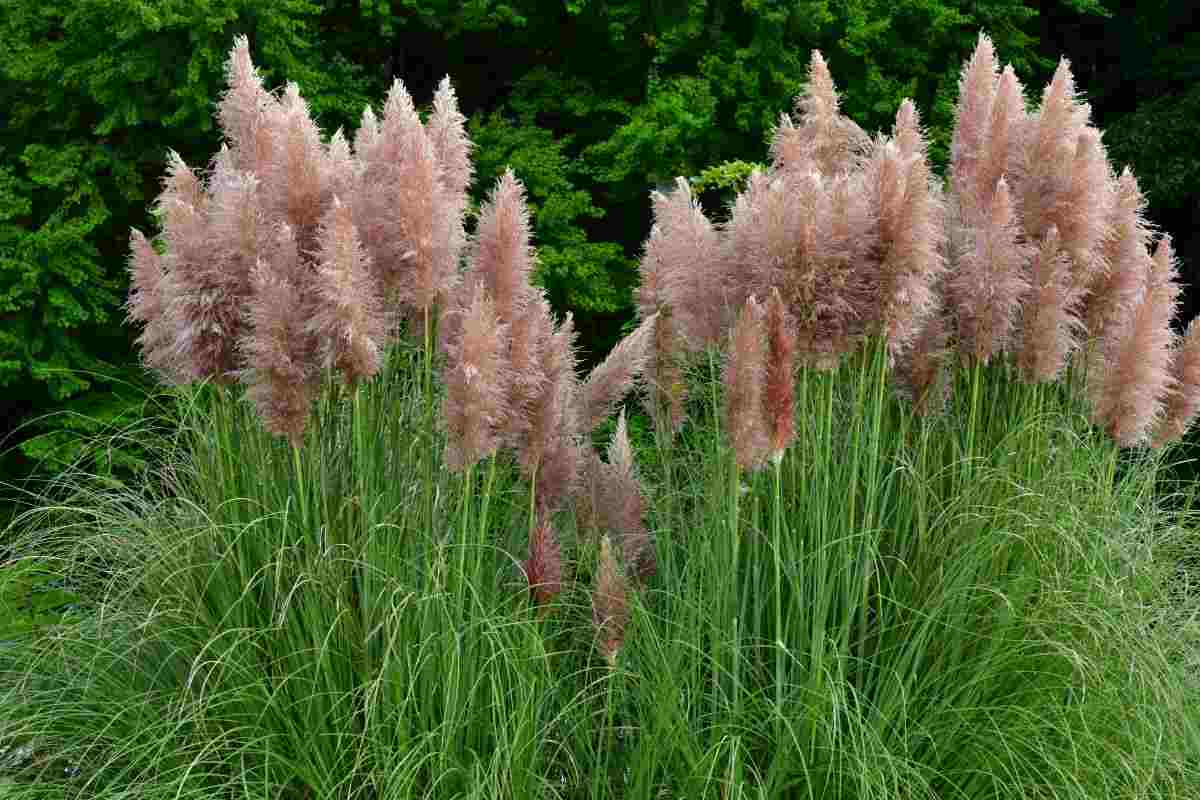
(348, 317)
(973, 114)
(825, 139)
(990, 281)
(278, 351)
(501, 257)
(244, 110)
(1124, 257)
(1135, 376)
(475, 377)
(1050, 325)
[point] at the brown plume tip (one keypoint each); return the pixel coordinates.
(610, 603)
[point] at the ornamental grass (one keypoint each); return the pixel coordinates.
(380, 556)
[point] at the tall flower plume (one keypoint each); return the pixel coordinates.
(150, 301)
(1183, 401)
(1123, 254)
(1135, 376)
(989, 281)
(613, 378)
(621, 506)
(825, 139)
(543, 568)
(909, 223)
(968, 146)
(501, 256)
(348, 318)
(745, 370)
(610, 603)
(278, 349)
(779, 401)
(1050, 323)
(475, 378)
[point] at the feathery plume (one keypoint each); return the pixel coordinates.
(206, 319)
(1045, 168)
(452, 149)
(745, 370)
(1135, 376)
(404, 215)
(475, 377)
(778, 398)
(1082, 217)
(909, 230)
(990, 282)
(277, 349)
(543, 568)
(825, 139)
(501, 257)
(244, 111)
(614, 377)
(553, 450)
(1124, 256)
(666, 385)
(150, 300)
(348, 319)
(1003, 143)
(1183, 401)
(1049, 322)
(529, 335)
(295, 178)
(610, 605)
(622, 506)
(973, 114)
(345, 172)
(681, 266)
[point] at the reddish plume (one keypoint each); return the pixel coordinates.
(543, 568)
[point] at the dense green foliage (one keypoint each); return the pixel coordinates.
(592, 103)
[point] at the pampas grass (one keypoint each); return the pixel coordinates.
(973, 603)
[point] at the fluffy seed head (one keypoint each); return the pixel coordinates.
(745, 373)
(610, 605)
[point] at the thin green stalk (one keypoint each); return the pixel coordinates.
(780, 631)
